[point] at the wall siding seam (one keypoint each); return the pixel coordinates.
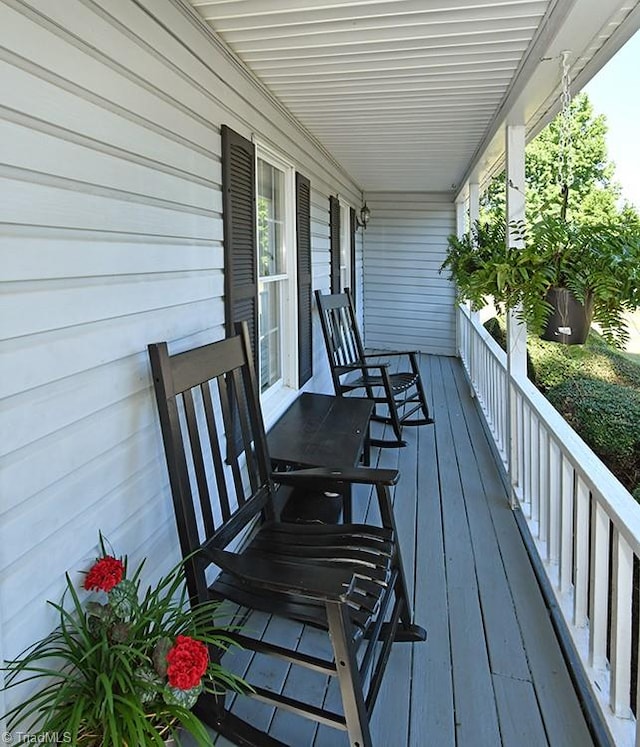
(36, 231)
(99, 146)
(20, 174)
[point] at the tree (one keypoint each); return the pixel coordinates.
(594, 195)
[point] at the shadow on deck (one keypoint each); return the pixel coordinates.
(491, 671)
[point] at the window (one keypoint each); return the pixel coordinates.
(267, 261)
(276, 272)
(345, 247)
(342, 246)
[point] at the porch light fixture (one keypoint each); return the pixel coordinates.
(363, 219)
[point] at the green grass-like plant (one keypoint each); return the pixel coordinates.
(104, 671)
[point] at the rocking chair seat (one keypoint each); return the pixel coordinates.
(400, 382)
(355, 562)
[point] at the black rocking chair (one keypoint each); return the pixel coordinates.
(402, 392)
(345, 579)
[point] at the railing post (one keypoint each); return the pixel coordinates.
(516, 330)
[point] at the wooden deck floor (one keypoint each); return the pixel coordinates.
(491, 671)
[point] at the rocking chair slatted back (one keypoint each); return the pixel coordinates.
(189, 392)
(341, 332)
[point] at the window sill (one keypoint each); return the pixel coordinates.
(273, 407)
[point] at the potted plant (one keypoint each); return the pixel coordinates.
(562, 265)
(125, 668)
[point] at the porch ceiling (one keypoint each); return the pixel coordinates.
(403, 93)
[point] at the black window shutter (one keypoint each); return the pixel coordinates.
(239, 222)
(303, 249)
(352, 234)
(334, 243)
(240, 250)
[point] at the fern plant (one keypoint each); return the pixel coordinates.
(598, 263)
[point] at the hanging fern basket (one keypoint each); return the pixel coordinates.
(570, 320)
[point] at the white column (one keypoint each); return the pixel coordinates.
(461, 227)
(474, 214)
(474, 202)
(460, 218)
(516, 330)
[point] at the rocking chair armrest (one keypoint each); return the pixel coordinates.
(319, 477)
(389, 353)
(264, 573)
(362, 367)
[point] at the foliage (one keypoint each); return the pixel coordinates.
(607, 417)
(486, 268)
(597, 390)
(126, 670)
(594, 195)
(599, 261)
(553, 364)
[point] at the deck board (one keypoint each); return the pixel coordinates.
(557, 701)
(475, 714)
(491, 671)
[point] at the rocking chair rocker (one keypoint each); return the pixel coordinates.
(344, 579)
(402, 392)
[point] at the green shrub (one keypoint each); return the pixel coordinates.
(597, 390)
(495, 327)
(553, 363)
(607, 417)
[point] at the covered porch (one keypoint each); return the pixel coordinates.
(112, 236)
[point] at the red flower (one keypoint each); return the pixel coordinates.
(105, 574)
(188, 661)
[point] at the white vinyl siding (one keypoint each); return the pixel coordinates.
(408, 303)
(110, 238)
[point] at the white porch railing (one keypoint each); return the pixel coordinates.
(576, 510)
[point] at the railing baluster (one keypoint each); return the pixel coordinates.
(543, 484)
(566, 525)
(599, 585)
(526, 459)
(503, 410)
(637, 725)
(531, 461)
(555, 501)
(581, 555)
(534, 435)
(621, 626)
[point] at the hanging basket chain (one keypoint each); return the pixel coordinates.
(565, 144)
